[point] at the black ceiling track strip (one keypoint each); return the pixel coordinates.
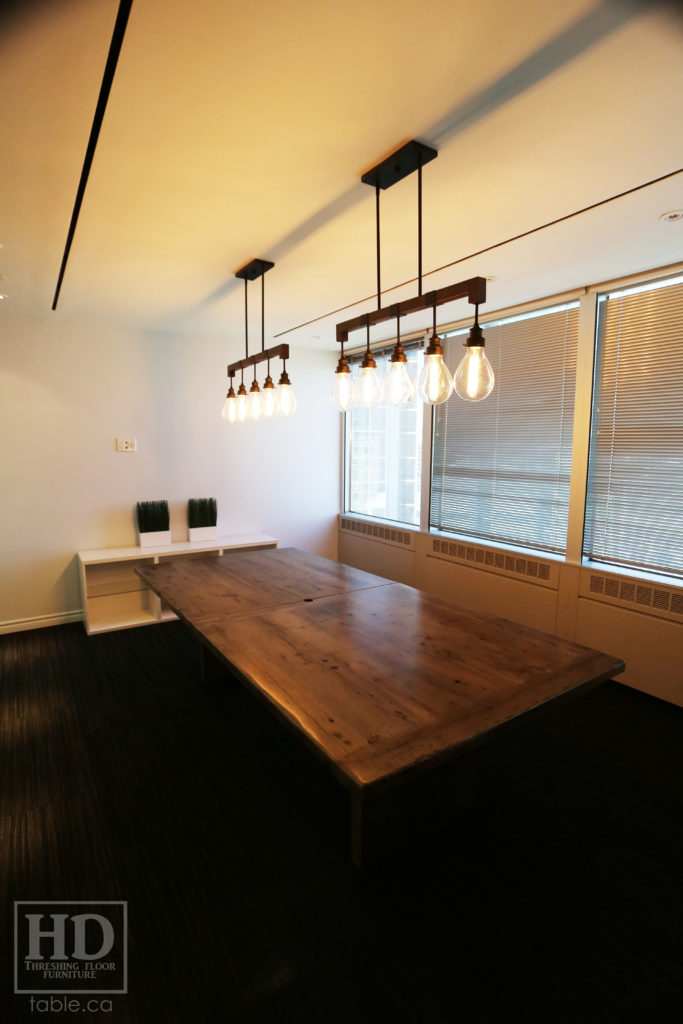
(107, 79)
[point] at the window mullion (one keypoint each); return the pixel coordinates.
(585, 356)
(427, 457)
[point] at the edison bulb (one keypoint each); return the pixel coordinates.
(399, 386)
(435, 382)
(254, 408)
(242, 404)
(287, 400)
(341, 394)
(474, 378)
(229, 412)
(367, 391)
(269, 403)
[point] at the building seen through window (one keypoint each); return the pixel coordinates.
(384, 454)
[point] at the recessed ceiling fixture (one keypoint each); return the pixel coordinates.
(435, 384)
(271, 401)
(672, 215)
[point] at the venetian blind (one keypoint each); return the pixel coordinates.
(634, 508)
(501, 467)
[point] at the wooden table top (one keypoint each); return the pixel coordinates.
(380, 678)
(243, 581)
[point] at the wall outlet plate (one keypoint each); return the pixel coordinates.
(125, 444)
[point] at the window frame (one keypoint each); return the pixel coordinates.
(653, 281)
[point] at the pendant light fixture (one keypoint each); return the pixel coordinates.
(341, 394)
(474, 378)
(254, 400)
(435, 382)
(242, 407)
(270, 404)
(229, 412)
(399, 386)
(271, 401)
(367, 391)
(285, 394)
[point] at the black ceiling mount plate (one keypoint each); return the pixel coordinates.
(399, 165)
(254, 269)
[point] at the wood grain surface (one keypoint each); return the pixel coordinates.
(246, 581)
(380, 678)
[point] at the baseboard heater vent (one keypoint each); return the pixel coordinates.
(638, 595)
(387, 534)
(516, 566)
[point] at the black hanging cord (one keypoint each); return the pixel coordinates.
(496, 245)
(246, 322)
(367, 343)
(475, 337)
(379, 283)
(419, 228)
(263, 344)
(434, 316)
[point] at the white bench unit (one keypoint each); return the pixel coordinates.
(114, 596)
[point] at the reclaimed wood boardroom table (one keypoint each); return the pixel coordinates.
(383, 682)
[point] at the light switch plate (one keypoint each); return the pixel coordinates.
(125, 444)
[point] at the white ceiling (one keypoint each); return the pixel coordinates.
(235, 131)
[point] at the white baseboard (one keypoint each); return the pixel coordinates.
(41, 621)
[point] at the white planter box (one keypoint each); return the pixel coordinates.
(202, 533)
(154, 538)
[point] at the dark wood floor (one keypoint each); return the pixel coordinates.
(556, 898)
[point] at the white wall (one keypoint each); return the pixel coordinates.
(67, 389)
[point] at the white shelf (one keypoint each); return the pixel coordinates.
(178, 547)
(108, 624)
(114, 596)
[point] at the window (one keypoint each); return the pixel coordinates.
(634, 507)
(384, 455)
(501, 467)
